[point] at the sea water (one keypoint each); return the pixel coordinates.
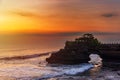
(35, 68)
(38, 68)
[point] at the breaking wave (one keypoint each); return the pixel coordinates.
(42, 72)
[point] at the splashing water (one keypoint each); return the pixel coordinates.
(29, 71)
(36, 68)
(95, 59)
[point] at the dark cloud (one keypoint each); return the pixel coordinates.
(72, 34)
(24, 13)
(55, 34)
(80, 33)
(33, 14)
(109, 15)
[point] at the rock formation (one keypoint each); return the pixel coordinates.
(78, 51)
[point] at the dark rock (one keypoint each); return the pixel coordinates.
(71, 78)
(118, 73)
(68, 57)
(108, 79)
(115, 66)
(100, 76)
(78, 51)
(75, 52)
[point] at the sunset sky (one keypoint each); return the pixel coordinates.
(45, 16)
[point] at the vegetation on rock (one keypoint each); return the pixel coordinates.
(87, 40)
(78, 51)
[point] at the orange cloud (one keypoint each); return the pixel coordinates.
(60, 16)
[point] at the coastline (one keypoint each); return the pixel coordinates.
(109, 71)
(96, 73)
(26, 56)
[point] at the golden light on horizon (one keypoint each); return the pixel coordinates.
(15, 19)
(13, 24)
(28, 16)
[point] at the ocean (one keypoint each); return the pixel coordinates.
(36, 68)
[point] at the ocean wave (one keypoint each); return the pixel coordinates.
(29, 71)
(24, 57)
(67, 70)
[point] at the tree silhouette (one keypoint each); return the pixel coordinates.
(88, 40)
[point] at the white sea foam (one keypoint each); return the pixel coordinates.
(29, 71)
(95, 59)
(75, 70)
(35, 68)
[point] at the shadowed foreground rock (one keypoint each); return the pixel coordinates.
(78, 51)
(68, 57)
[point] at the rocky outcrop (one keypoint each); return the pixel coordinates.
(68, 57)
(110, 55)
(78, 51)
(110, 52)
